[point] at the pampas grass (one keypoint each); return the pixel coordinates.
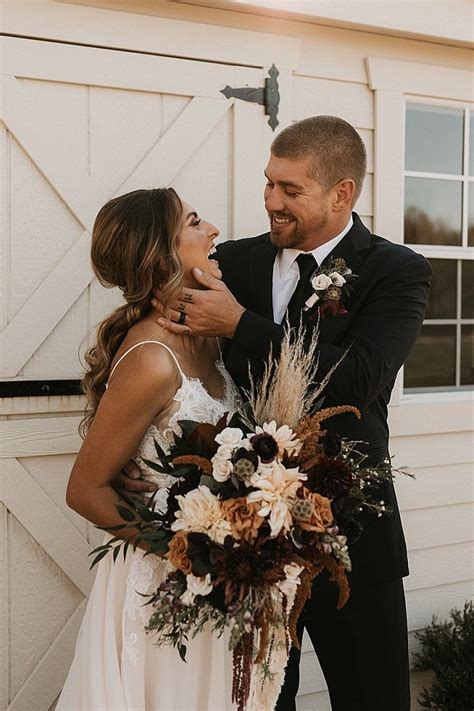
(288, 389)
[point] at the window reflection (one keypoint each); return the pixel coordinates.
(434, 139)
(433, 211)
(467, 290)
(442, 301)
(467, 355)
(432, 363)
(470, 218)
(471, 146)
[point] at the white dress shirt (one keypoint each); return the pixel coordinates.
(286, 272)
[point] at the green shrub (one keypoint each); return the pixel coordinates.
(448, 650)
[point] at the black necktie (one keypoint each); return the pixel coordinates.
(307, 265)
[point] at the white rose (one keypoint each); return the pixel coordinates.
(187, 598)
(289, 585)
(224, 451)
(231, 436)
(321, 282)
(337, 279)
(199, 586)
(221, 468)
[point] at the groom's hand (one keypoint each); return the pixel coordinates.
(211, 311)
(130, 480)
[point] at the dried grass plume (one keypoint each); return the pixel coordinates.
(288, 389)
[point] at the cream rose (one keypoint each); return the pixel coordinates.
(321, 282)
(221, 468)
(337, 279)
(199, 586)
(231, 436)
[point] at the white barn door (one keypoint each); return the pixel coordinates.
(81, 125)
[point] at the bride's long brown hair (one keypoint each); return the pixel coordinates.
(134, 247)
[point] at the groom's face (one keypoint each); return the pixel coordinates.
(297, 205)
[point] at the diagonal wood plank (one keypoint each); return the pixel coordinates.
(16, 111)
(53, 666)
(45, 307)
(174, 149)
(49, 526)
(72, 275)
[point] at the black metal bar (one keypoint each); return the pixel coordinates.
(39, 388)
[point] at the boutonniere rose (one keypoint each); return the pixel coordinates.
(331, 284)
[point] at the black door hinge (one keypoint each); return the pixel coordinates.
(267, 96)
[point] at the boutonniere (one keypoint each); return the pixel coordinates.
(331, 284)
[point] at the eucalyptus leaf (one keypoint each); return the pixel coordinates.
(125, 513)
(98, 558)
(182, 651)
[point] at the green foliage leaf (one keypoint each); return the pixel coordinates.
(182, 651)
(98, 558)
(125, 513)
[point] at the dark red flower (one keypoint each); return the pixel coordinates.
(331, 444)
(331, 307)
(329, 477)
(265, 446)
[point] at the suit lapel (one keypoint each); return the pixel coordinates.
(355, 241)
(261, 277)
(349, 248)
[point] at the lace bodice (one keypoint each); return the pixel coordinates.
(195, 403)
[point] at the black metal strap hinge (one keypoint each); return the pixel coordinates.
(267, 96)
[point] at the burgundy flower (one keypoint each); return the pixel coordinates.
(332, 307)
(331, 444)
(329, 477)
(265, 446)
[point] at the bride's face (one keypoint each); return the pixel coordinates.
(196, 244)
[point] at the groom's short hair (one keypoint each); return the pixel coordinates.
(335, 149)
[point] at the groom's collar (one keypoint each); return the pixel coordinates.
(287, 257)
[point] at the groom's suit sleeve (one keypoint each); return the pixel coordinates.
(377, 342)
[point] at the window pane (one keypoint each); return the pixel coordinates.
(442, 301)
(470, 224)
(467, 355)
(467, 293)
(432, 211)
(432, 362)
(471, 145)
(434, 139)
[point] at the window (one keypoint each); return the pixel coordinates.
(439, 223)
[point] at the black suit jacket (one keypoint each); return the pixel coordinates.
(385, 313)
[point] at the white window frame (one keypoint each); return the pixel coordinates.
(396, 83)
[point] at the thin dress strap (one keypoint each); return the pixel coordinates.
(219, 347)
(142, 343)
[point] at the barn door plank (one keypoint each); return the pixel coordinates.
(47, 524)
(34, 693)
(46, 307)
(72, 275)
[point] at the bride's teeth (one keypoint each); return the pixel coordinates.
(212, 250)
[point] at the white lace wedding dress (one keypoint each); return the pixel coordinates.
(117, 666)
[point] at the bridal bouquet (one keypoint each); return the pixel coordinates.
(260, 507)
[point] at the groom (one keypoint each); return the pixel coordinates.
(314, 177)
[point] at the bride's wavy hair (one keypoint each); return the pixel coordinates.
(134, 246)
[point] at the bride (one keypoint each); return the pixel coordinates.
(141, 380)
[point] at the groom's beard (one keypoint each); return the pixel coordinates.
(295, 236)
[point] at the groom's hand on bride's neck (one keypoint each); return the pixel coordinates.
(211, 310)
